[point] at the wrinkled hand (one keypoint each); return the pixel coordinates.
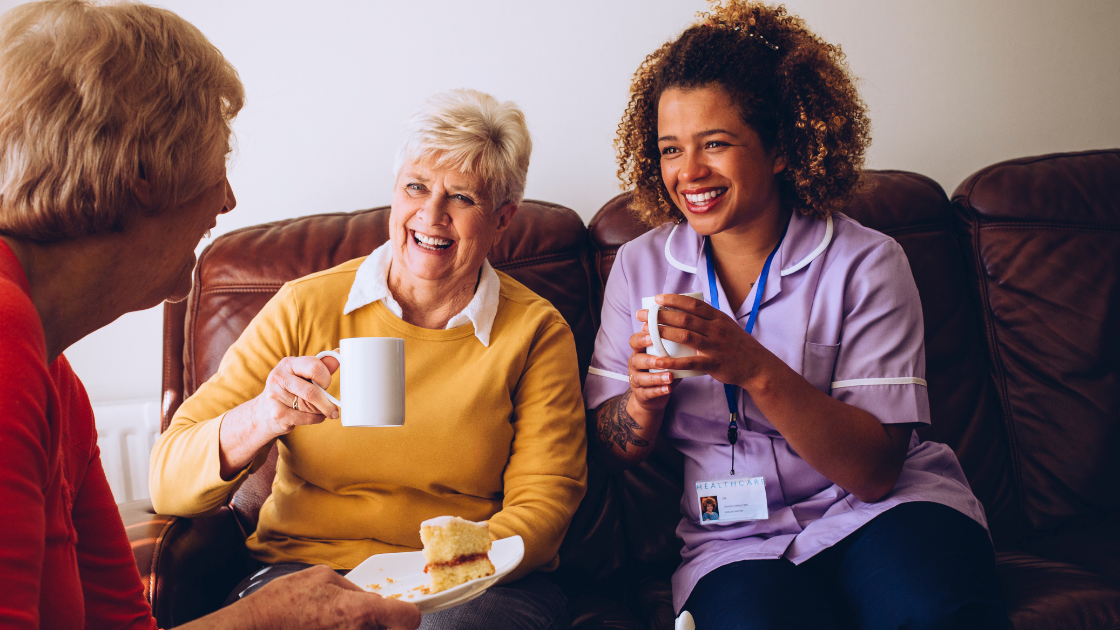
(724, 350)
(291, 381)
(320, 598)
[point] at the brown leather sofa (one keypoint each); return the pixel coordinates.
(1019, 276)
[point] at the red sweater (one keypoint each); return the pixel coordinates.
(65, 561)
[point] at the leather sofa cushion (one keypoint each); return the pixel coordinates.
(1048, 595)
(1045, 233)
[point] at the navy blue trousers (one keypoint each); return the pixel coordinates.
(915, 566)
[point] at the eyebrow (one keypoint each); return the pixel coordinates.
(702, 134)
(465, 190)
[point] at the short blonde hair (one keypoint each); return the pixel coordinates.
(95, 99)
(471, 131)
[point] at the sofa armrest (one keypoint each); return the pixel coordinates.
(188, 566)
(145, 530)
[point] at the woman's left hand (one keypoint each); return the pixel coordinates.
(724, 350)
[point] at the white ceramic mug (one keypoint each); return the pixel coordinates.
(372, 381)
(664, 347)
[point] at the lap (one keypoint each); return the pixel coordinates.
(532, 603)
(920, 565)
(763, 594)
(917, 565)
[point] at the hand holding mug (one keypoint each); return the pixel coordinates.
(372, 386)
(293, 397)
(650, 390)
(667, 347)
(723, 350)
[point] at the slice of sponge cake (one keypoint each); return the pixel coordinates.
(457, 550)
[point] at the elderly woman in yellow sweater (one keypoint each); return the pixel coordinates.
(494, 426)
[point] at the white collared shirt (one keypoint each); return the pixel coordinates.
(371, 283)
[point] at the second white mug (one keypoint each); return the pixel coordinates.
(664, 347)
(372, 381)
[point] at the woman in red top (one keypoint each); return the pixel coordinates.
(114, 132)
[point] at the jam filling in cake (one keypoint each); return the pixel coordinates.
(457, 551)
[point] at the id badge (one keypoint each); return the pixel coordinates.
(731, 500)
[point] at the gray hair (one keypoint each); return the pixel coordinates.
(471, 131)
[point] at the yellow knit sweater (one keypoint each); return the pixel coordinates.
(491, 433)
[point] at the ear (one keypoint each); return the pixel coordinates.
(504, 216)
(779, 164)
(142, 190)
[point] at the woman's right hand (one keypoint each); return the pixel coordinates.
(627, 425)
(290, 399)
(650, 390)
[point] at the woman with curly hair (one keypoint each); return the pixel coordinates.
(742, 139)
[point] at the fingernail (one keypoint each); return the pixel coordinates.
(666, 378)
(334, 414)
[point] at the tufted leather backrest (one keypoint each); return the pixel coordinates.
(964, 408)
(545, 248)
(1043, 238)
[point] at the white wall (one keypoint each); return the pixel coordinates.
(952, 85)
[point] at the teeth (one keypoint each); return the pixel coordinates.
(431, 241)
(704, 196)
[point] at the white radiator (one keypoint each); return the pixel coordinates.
(126, 432)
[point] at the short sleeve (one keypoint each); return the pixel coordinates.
(608, 374)
(881, 362)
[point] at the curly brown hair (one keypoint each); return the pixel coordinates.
(790, 86)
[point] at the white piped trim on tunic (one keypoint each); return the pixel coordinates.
(857, 382)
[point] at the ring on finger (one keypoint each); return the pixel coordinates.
(295, 403)
(632, 383)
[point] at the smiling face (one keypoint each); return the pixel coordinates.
(713, 164)
(442, 225)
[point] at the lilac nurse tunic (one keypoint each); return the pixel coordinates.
(841, 308)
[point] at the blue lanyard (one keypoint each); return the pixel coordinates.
(759, 287)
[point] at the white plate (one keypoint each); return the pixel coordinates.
(402, 574)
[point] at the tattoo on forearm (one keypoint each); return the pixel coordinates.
(616, 425)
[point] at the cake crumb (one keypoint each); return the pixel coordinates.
(393, 596)
(390, 580)
(374, 587)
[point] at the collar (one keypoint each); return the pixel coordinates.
(371, 284)
(805, 240)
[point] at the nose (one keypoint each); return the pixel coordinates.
(693, 167)
(433, 212)
(231, 200)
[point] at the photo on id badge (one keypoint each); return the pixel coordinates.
(731, 500)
